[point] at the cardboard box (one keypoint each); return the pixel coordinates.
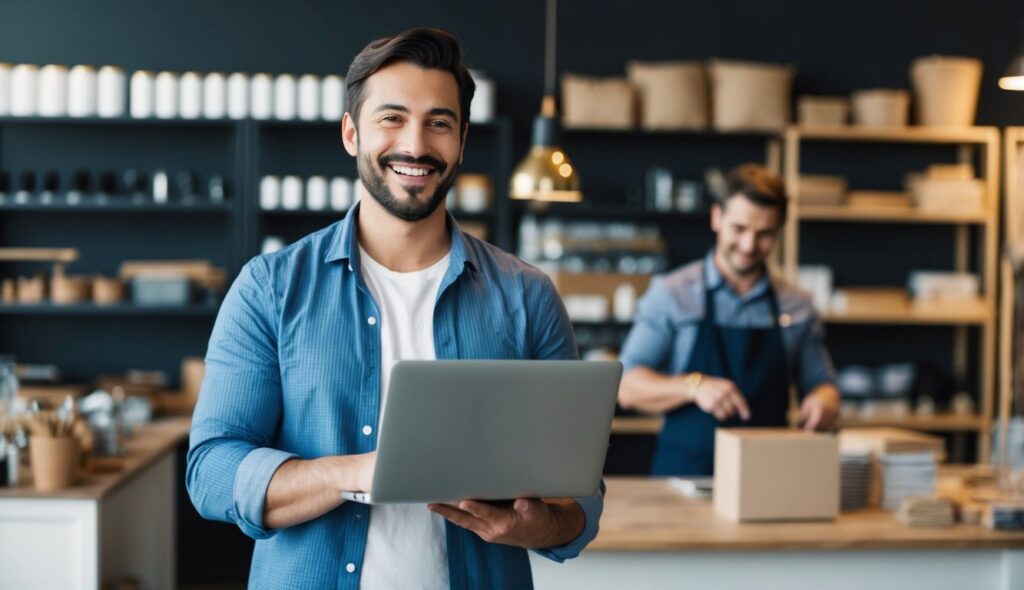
(776, 474)
(599, 103)
(597, 283)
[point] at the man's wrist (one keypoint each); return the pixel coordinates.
(693, 381)
(570, 522)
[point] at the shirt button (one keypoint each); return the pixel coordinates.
(350, 568)
(367, 430)
(371, 320)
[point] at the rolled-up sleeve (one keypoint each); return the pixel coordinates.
(230, 459)
(649, 343)
(814, 363)
(553, 339)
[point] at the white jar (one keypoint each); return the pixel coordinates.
(110, 92)
(5, 89)
(284, 97)
(291, 193)
(24, 89)
(165, 95)
(271, 244)
(190, 96)
(332, 98)
(261, 97)
(316, 193)
(214, 95)
(309, 97)
(341, 193)
(53, 91)
(82, 92)
(270, 193)
(481, 109)
(238, 96)
(142, 90)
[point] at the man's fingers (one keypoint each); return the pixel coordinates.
(741, 406)
(459, 517)
(483, 510)
(813, 418)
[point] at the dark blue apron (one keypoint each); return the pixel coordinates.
(752, 358)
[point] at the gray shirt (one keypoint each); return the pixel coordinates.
(664, 330)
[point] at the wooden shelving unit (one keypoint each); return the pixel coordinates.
(978, 145)
(1013, 233)
(651, 425)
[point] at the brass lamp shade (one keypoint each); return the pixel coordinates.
(1013, 78)
(546, 174)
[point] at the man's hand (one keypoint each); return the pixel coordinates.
(820, 409)
(362, 467)
(721, 398)
(527, 523)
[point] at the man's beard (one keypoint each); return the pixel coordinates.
(417, 206)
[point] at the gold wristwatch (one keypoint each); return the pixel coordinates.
(692, 383)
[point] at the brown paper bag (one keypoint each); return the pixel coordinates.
(880, 108)
(604, 103)
(750, 96)
(671, 94)
(945, 90)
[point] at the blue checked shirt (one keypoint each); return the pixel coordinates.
(292, 371)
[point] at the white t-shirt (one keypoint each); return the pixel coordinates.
(406, 546)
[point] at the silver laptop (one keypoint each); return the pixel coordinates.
(493, 430)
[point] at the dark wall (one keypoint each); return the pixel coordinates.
(837, 46)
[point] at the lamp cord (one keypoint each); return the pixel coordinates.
(549, 51)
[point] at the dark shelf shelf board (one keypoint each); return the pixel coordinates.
(123, 309)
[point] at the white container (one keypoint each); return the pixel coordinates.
(142, 90)
(53, 91)
(284, 97)
(82, 92)
(270, 193)
(24, 90)
(481, 109)
(309, 97)
(165, 95)
(214, 96)
(261, 97)
(190, 96)
(271, 244)
(624, 302)
(110, 92)
(238, 96)
(332, 98)
(316, 193)
(291, 193)
(341, 193)
(5, 89)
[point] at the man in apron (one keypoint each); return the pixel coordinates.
(719, 341)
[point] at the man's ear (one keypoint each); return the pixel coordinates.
(349, 135)
(716, 216)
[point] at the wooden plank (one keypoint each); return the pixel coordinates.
(889, 215)
(38, 254)
(910, 134)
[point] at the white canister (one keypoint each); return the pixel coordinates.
(53, 91)
(332, 98)
(190, 96)
(261, 96)
(24, 88)
(309, 97)
(284, 97)
(341, 193)
(142, 90)
(271, 244)
(270, 193)
(481, 109)
(624, 302)
(165, 95)
(82, 91)
(291, 193)
(316, 193)
(110, 92)
(238, 96)
(214, 96)
(5, 89)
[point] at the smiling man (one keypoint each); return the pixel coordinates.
(301, 353)
(719, 341)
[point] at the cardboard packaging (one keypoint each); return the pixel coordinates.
(823, 111)
(750, 96)
(880, 108)
(672, 94)
(598, 103)
(776, 474)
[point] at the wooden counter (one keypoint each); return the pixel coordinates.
(113, 525)
(143, 449)
(651, 536)
(645, 514)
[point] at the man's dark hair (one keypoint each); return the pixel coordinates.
(426, 48)
(759, 184)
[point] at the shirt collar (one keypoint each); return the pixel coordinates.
(344, 244)
(714, 280)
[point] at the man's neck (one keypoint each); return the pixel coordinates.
(399, 245)
(740, 283)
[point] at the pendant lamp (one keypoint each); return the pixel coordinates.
(546, 174)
